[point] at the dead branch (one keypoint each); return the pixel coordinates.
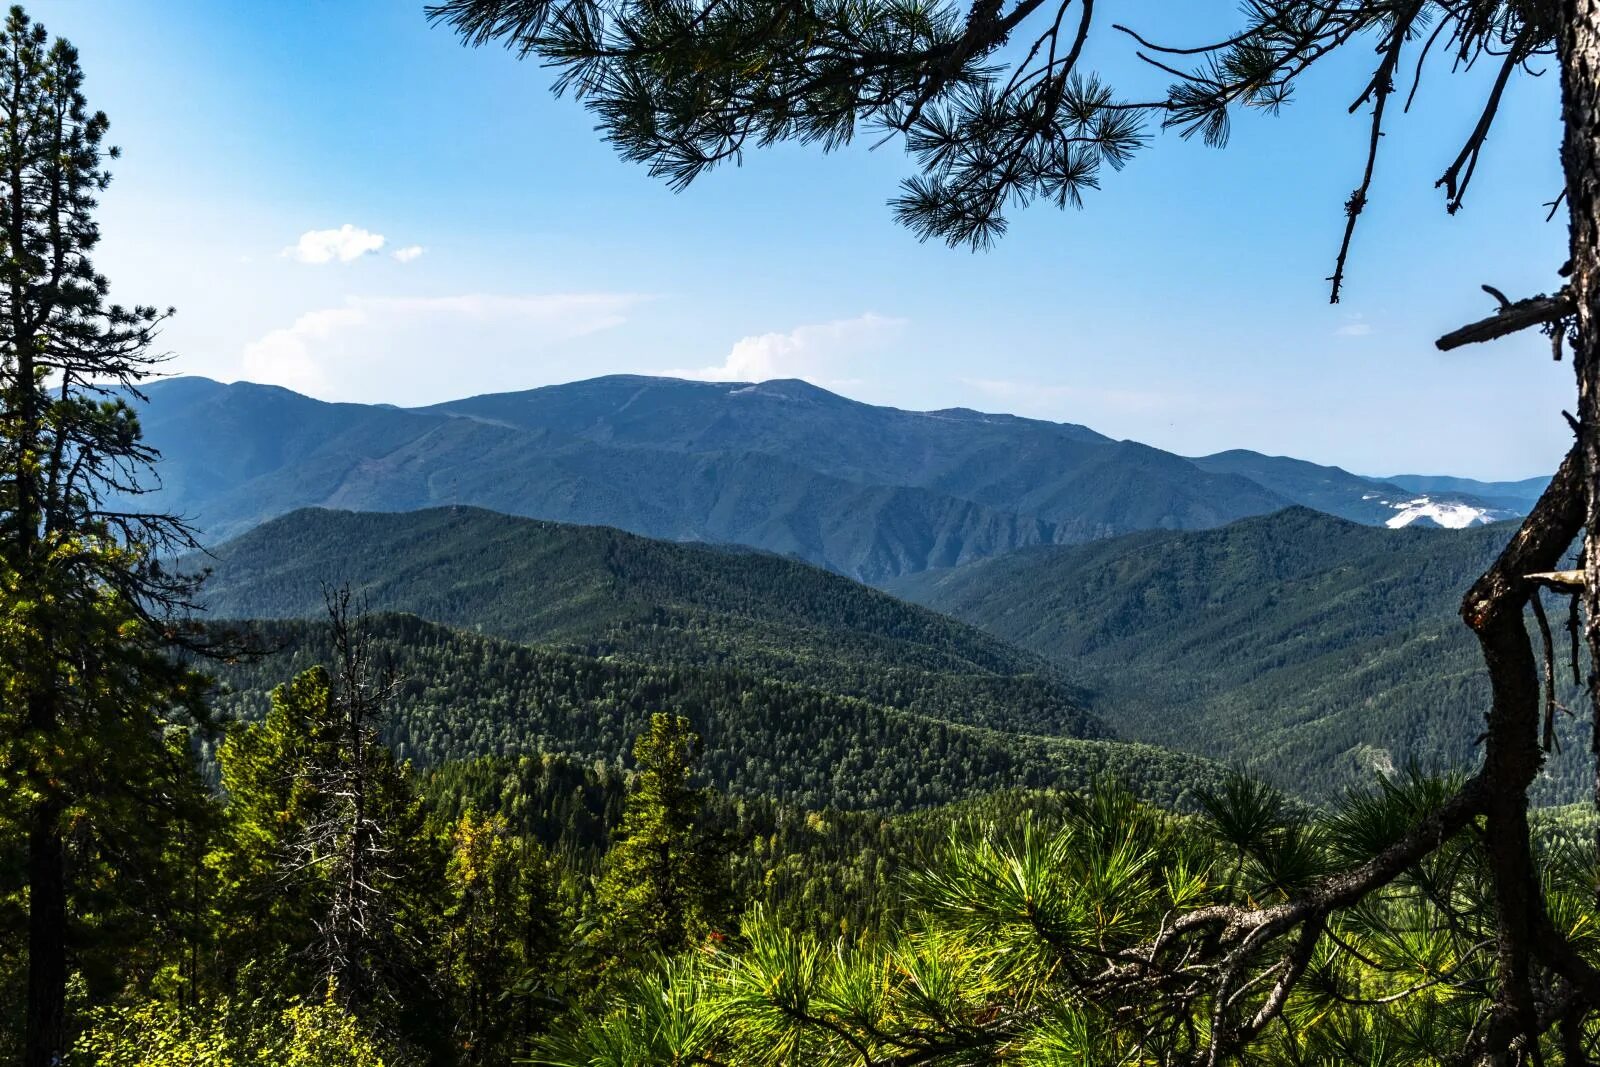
(1512, 317)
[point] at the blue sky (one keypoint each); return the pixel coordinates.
(1184, 307)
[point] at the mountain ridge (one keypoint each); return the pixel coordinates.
(598, 591)
(868, 491)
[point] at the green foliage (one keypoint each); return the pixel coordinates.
(270, 801)
(325, 865)
(1034, 945)
(659, 887)
(463, 696)
(317, 1033)
(501, 936)
(1309, 650)
(92, 784)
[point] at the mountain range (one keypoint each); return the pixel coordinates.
(870, 492)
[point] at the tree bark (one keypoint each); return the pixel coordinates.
(44, 1041)
(1494, 609)
(1579, 48)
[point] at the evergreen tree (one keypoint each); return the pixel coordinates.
(327, 878)
(659, 889)
(500, 937)
(85, 607)
(266, 904)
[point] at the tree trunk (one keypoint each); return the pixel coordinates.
(45, 1036)
(1580, 160)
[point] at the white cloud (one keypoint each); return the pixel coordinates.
(344, 244)
(407, 254)
(417, 350)
(285, 357)
(1355, 326)
(818, 352)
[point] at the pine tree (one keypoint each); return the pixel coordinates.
(327, 871)
(499, 937)
(85, 607)
(659, 889)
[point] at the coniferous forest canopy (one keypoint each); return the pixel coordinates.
(1122, 758)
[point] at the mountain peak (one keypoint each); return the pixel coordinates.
(788, 389)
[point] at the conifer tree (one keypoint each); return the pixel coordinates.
(85, 608)
(658, 891)
(499, 937)
(326, 866)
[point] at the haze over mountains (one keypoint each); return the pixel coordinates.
(870, 492)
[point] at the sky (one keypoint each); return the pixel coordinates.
(341, 199)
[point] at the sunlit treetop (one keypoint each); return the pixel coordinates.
(989, 98)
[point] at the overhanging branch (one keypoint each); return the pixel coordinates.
(1512, 317)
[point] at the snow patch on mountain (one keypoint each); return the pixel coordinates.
(1454, 516)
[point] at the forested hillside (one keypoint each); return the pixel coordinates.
(602, 592)
(1309, 649)
(827, 872)
(464, 696)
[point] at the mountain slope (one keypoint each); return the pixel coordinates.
(1309, 648)
(872, 492)
(1519, 495)
(868, 491)
(1066, 475)
(465, 696)
(1334, 490)
(600, 591)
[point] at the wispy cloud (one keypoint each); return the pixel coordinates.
(344, 244)
(407, 254)
(824, 353)
(416, 349)
(1356, 327)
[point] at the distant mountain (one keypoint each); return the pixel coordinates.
(1309, 648)
(596, 591)
(868, 491)
(1450, 502)
(1519, 496)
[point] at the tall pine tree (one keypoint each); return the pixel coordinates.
(659, 890)
(85, 607)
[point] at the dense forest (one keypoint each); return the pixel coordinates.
(487, 891)
(602, 592)
(532, 903)
(460, 696)
(1306, 648)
